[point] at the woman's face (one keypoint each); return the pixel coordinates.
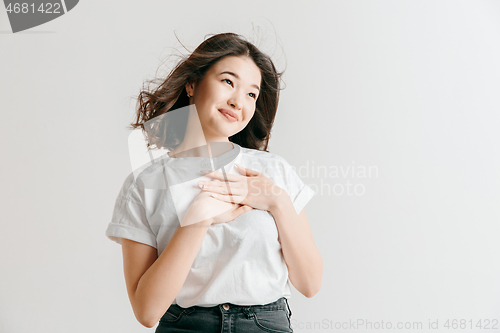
(230, 86)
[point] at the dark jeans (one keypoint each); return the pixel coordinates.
(227, 317)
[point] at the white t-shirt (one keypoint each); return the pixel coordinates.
(240, 261)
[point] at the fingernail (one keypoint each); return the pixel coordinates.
(201, 185)
(213, 194)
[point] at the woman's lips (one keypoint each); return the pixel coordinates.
(230, 115)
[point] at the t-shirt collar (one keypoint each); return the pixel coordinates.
(204, 162)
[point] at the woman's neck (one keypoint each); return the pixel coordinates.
(210, 150)
(200, 142)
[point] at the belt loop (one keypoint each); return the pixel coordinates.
(189, 310)
(248, 312)
(288, 306)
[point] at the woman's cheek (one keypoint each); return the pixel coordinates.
(249, 116)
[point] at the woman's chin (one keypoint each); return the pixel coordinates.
(225, 131)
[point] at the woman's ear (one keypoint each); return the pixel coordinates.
(190, 88)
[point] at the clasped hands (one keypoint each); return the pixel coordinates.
(251, 188)
(228, 196)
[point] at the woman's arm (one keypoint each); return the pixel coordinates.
(304, 262)
(153, 283)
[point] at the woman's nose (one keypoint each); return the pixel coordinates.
(235, 101)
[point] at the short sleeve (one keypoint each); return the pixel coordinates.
(299, 192)
(129, 218)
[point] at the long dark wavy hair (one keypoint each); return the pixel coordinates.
(171, 95)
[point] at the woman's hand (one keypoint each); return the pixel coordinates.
(252, 188)
(210, 211)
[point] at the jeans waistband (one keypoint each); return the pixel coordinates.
(280, 304)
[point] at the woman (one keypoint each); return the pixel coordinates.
(221, 256)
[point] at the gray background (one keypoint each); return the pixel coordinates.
(408, 87)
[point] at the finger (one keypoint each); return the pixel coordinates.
(216, 189)
(227, 198)
(214, 183)
(246, 172)
(225, 188)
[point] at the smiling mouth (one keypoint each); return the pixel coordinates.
(231, 116)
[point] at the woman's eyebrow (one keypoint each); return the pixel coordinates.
(236, 76)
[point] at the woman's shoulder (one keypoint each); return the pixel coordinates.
(147, 177)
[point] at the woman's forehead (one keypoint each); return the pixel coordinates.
(241, 67)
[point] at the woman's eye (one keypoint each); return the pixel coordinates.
(253, 95)
(230, 82)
